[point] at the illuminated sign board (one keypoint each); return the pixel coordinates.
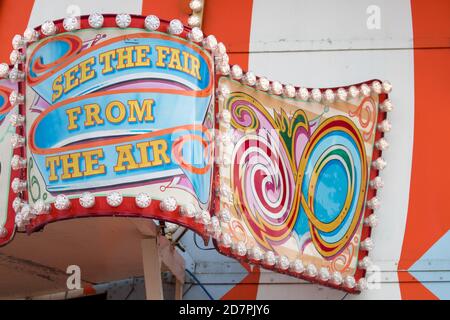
(127, 122)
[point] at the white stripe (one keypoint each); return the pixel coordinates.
(339, 26)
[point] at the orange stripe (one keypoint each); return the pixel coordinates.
(167, 9)
(247, 288)
(428, 215)
(230, 22)
(14, 18)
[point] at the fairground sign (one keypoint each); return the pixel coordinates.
(138, 117)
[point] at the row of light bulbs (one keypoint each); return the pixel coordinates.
(152, 23)
(26, 212)
(194, 19)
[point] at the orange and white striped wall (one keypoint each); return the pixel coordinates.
(327, 43)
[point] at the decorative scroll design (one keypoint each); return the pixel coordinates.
(283, 169)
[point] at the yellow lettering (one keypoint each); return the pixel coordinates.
(70, 79)
(105, 59)
(141, 56)
(175, 62)
(71, 169)
(195, 67)
(109, 112)
(159, 152)
(124, 58)
(186, 56)
(91, 158)
(162, 54)
(57, 88)
(138, 111)
(143, 151)
(86, 72)
(92, 115)
(125, 156)
(51, 163)
(72, 114)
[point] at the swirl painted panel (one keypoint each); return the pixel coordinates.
(297, 173)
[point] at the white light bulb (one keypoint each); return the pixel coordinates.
(196, 5)
(236, 72)
(316, 94)
(249, 79)
(30, 35)
(18, 185)
(210, 42)
(71, 24)
(269, 258)
(379, 164)
(303, 94)
(276, 88)
(311, 270)
(196, 35)
(223, 69)
(342, 94)
(283, 263)
(256, 253)
(87, 200)
(62, 202)
(324, 274)
(225, 240)
(188, 210)
(18, 42)
(16, 75)
(371, 220)
(387, 86)
(194, 20)
(17, 162)
(362, 284)
(16, 57)
(96, 20)
(376, 87)
(365, 263)
(143, 200)
(336, 278)
(17, 204)
(16, 120)
(123, 20)
(15, 98)
(289, 91)
(262, 84)
(4, 70)
(297, 266)
(40, 207)
(152, 23)
(367, 244)
(349, 282)
(365, 90)
(382, 144)
(376, 183)
(384, 126)
(175, 27)
(386, 106)
(114, 199)
(353, 91)
(169, 204)
(225, 215)
(329, 96)
(48, 28)
(374, 203)
(17, 141)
